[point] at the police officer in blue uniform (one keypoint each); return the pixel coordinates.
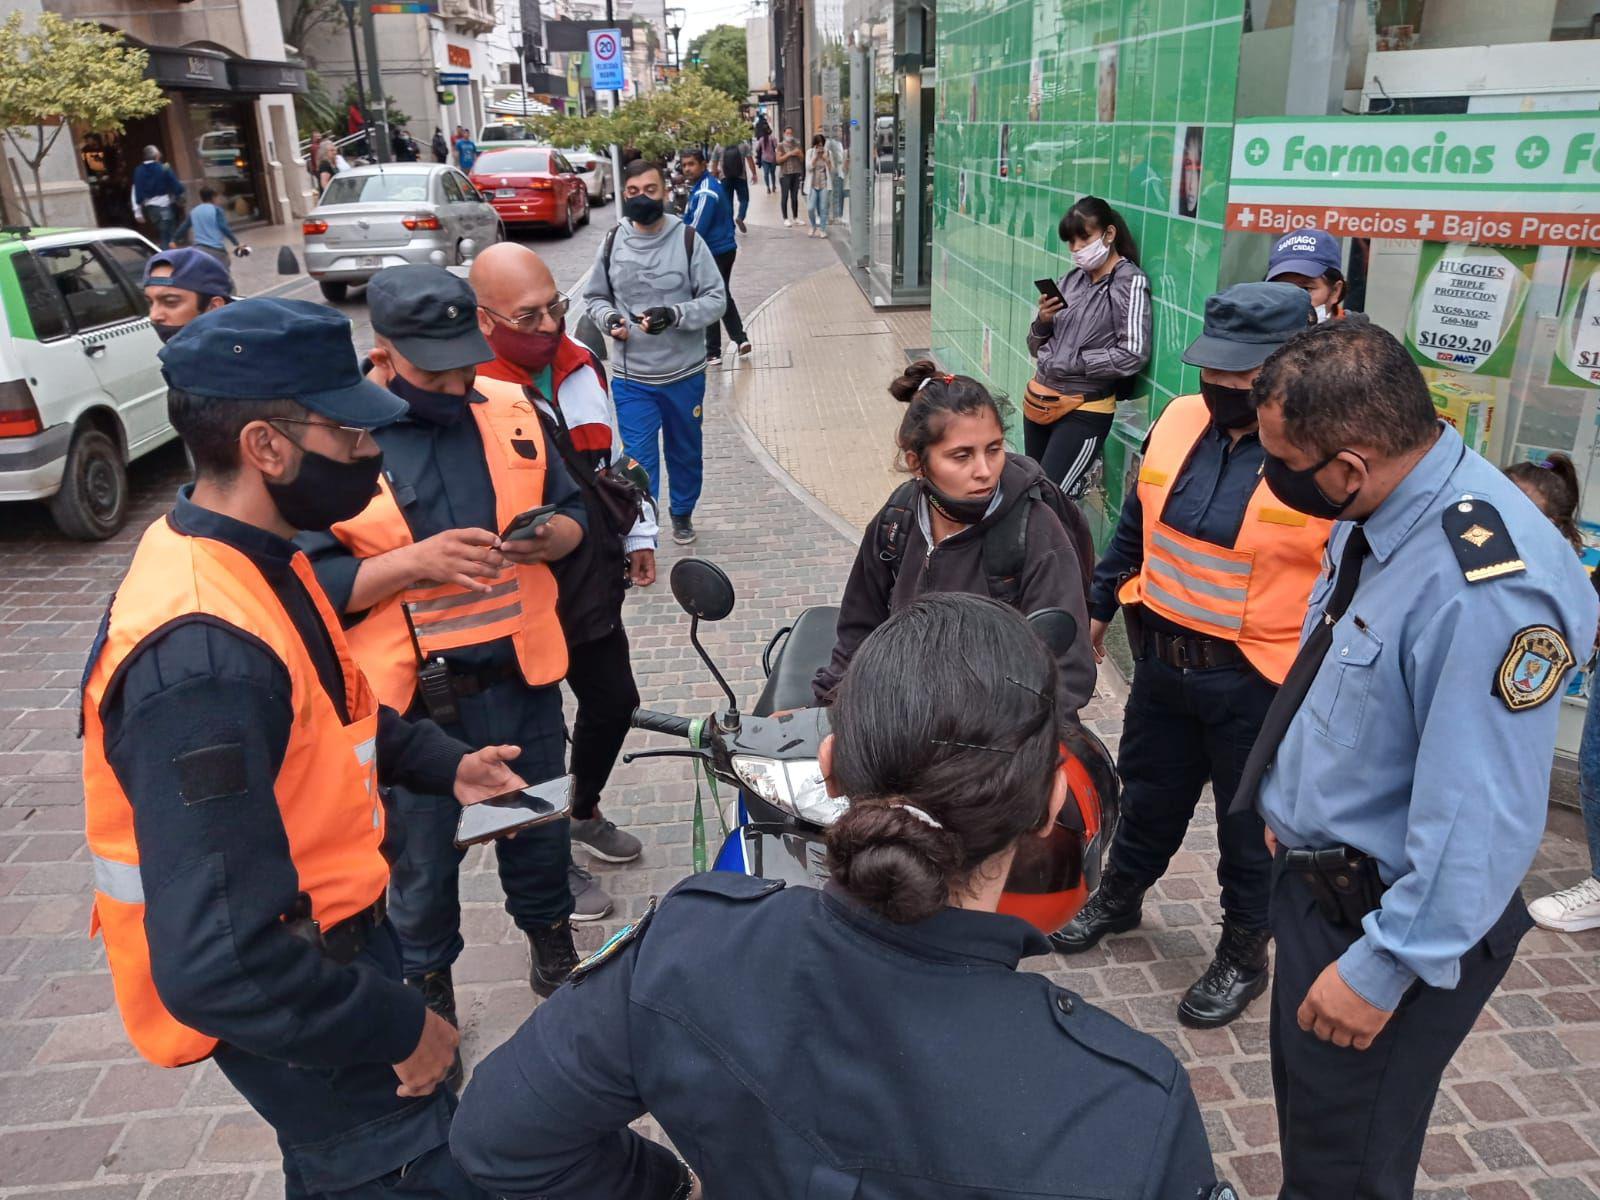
(1404, 767)
(316, 1029)
(873, 1039)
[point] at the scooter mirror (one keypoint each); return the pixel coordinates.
(1055, 627)
(702, 589)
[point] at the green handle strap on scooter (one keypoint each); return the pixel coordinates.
(697, 729)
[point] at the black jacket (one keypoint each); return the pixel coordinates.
(791, 1043)
(1052, 577)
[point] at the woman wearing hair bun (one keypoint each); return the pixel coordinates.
(875, 1038)
(934, 534)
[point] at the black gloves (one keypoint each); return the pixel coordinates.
(658, 319)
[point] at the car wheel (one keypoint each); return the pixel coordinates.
(334, 293)
(93, 501)
(571, 226)
(588, 211)
(500, 234)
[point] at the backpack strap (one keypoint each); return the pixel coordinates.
(1005, 550)
(605, 260)
(894, 522)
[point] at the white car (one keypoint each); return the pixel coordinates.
(81, 393)
(596, 172)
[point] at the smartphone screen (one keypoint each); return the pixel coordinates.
(523, 809)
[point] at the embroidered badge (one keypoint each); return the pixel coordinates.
(613, 945)
(1532, 670)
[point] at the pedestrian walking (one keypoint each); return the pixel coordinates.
(738, 166)
(940, 532)
(404, 146)
(819, 167)
(934, 1051)
(1092, 335)
(767, 156)
(791, 159)
(536, 357)
(458, 623)
(838, 164)
(181, 284)
(711, 215)
(654, 288)
(156, 195)
(207, 223)
(1212, 573)
(441, 152)
(466, 149)
(1404, 767)
(232, 750)
(327, 163)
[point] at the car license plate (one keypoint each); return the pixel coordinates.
(371, 260)
(505, 193)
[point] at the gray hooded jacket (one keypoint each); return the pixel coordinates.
(1101, 337)
(652, 270)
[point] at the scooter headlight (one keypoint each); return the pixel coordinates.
(795, 787)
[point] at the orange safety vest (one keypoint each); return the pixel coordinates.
(327, 787)
(1253, 594)
(521, 601)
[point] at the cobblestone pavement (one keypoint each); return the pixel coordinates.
(81, 1116)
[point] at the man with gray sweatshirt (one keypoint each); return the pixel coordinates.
(654, 289)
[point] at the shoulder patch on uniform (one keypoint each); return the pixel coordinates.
(212, 773)
(1479, 539)
(1100, 1033)
(731, 884)
(1533, 668)
(613, 945)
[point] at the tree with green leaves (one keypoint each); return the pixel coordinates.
(718, 57)
(63, 73)
(688, 113)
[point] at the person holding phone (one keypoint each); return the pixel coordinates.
(1092, 335)
(451, 619)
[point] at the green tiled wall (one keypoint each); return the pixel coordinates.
(1032, 68)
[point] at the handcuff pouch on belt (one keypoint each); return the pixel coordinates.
(1344, 882)
(1132, 619)
(1044, 407)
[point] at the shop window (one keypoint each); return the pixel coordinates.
(221, 136)
(93, 297)
(1435, 24)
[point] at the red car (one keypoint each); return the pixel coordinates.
(533, 185)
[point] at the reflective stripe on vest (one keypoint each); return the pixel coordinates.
(521, 601)
(326, 787)
(1253, 593)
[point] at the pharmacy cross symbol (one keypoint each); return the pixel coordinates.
(1256, 151)
(1533, 151)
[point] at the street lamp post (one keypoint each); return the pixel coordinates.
(349, 7)
(675, 20)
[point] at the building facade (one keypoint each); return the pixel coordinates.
(229, 122)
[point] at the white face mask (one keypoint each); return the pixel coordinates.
(1323, 313)
(1091, 256)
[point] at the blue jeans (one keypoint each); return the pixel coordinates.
(672, 413)
(817, 207)
(739, 189)
(1589, 780)
(165, 219)
(769, 172)
(424, 895)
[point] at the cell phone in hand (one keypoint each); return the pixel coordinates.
(526, 808)
(1049, 287)
(524, 524)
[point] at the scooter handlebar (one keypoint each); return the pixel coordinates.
(659, 722)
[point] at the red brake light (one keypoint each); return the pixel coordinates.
(543, 185)
(19, 415)
(421, 222)
(307, 227)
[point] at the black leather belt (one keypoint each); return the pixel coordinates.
(350, 936)
(470, 683)
(1191, 651)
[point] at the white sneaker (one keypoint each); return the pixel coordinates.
(1571, 910)
(787, 222)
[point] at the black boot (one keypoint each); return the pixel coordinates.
(553, 956)
(1114, 908)
(439, 993)
(1236, 976)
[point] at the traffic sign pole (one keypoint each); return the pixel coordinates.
(378, 113)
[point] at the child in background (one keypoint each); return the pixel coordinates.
(1552, 484)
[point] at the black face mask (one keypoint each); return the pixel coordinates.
(642, 210)
(438, 408)
(166, 332)
(962, 512)
(1299, 490)
(325, 491)
(1229, 407)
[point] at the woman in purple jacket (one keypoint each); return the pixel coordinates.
(1087, 344)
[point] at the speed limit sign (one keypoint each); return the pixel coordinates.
(605, 54)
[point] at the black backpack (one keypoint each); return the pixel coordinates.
(1005, 543)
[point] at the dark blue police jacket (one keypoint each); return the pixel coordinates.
(793, 1044)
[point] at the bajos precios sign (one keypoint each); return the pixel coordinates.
(1529, 179)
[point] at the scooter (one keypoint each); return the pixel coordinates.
(779, 819)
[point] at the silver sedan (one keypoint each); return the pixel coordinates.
(595, 170)
(394, 214)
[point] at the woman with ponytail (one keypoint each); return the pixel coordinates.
(932, 534)
(873, 1038)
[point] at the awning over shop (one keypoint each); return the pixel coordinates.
(263, 75)
(195, 68)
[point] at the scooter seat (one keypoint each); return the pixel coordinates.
(807, 650)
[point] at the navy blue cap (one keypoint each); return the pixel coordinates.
(272, 349)
(191, 269)
(1309, 252)
(1245, 323)
(429, 315)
